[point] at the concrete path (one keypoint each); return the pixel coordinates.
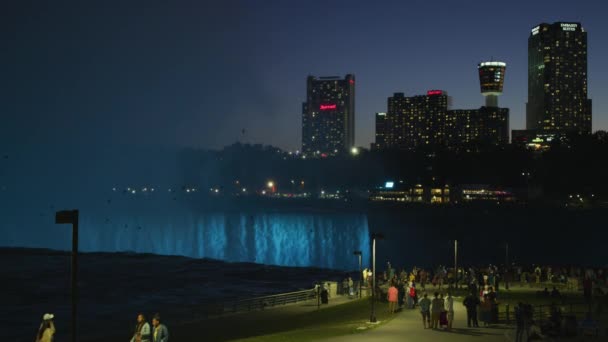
(407, 326)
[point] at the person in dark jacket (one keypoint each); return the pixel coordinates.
(160, 332)
(471, 302)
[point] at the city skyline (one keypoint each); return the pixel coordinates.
(194, 75)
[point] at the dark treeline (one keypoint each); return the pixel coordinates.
(578, 166)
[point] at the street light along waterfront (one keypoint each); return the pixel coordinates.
(375, 236)
(359, 253)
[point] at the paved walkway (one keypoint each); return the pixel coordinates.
(407, 326)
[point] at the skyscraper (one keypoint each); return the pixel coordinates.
(328, 115)
(557, 79)
(380, 131)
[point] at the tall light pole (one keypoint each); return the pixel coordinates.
(71, 216)
(375, 236)
(456, 258)
(359, 253)
(506, 265)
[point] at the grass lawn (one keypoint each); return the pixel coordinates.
(334, 321)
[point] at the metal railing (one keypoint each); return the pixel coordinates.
(260, 303)
(542, 313)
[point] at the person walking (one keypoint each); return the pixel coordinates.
(142, 330)
(436, 308)
(425, 311)
(471, 302)
(47, 329)
(161, 333)
(392, 297)
(449, 307)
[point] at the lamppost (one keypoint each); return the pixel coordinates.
(360, 270)
(456, 259)
(507, 266)
(375, 236)
(71, 216)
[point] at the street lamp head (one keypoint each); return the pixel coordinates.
(377, 236)
(357, 253)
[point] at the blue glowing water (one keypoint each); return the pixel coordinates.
(285, 238)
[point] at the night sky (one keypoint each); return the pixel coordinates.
(196, 73)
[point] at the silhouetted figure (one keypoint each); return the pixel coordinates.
(47, 329)
(160, 333)
(142, 330)
(471, 302)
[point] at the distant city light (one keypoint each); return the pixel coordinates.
(244, 190)
(263, 192)
(270, 184)
(354, 151)
(133, 191)
(217, 190)
(113, 189)
(389, 185)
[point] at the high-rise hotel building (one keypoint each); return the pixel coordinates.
(557, 79)
(414, 122)
(328, 115)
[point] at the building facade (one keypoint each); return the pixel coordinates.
(425, 121)
(488, 126)
(328, 115)
(413, 122)
(380, 142)
(557, 79)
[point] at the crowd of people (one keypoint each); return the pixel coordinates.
(481, 285)
(408, 290)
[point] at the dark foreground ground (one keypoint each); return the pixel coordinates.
(114, 287)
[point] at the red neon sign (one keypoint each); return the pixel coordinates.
(351, 81)
(434, 92)
(328, 107)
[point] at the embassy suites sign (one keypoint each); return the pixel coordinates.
(568, 27)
